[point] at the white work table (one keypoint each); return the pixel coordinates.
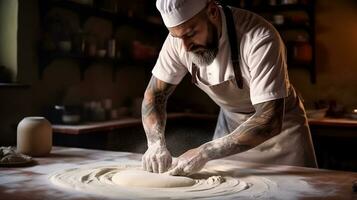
(32, 183)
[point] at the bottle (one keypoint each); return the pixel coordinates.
(302, 51)
(272, 2)
(111, 48)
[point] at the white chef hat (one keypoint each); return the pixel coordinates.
(176, 12)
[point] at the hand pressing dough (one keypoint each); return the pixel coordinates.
(140, 178)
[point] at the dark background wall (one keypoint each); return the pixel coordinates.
(336, 58)
(336, 42)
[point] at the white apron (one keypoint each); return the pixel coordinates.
(293, 146)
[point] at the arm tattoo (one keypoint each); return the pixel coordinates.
(154, 109)
(263, 125)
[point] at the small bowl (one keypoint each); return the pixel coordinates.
(101, 53)
(316, 113)
(65, 46)
(353, 114)
(71, 118)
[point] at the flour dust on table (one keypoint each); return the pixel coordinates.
(130, 182)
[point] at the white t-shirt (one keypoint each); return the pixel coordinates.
(262, 59)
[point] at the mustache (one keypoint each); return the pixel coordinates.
(198, 49)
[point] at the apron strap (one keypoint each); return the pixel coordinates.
(194, 73)
(235, 52)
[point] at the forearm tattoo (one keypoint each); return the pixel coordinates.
(263, 125)
(153, 109)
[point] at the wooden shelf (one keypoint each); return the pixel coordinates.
(87, 11)
(84, 12)
(281, 8)
(308, 26)
(63, 55)
(47, 57)
(14, 85)
(291, 26)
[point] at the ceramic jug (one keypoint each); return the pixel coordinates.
(34, 136)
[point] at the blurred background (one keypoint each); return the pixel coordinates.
(80, 62)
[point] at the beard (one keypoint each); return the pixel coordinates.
(203, 55)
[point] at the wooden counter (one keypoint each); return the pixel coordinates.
(341, 122)
(96, 126)
(128, 122)
(121, 123)
(32, 182)
(335, 140)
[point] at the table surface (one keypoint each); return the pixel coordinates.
(32, 182)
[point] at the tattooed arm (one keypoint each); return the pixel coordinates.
(263, 125)
(157, 158)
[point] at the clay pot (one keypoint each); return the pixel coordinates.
(34, 136)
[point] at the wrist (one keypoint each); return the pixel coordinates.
(204, 151)
(157, 143)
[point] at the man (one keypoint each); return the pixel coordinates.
(239, 60)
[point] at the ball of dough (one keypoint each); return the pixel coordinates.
(140, 178)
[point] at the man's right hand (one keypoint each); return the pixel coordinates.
(156, 159)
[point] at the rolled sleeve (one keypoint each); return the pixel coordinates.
(169, 67)
(268, 70)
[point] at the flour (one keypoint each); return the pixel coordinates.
(9, 156)
(99, 180)
(214, 182)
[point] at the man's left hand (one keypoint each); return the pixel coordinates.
(190, 162)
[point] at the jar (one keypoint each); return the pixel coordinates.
(302, 51)
(34, 136)
(272, 2)
(111, 48)
(278, 19)
(70, 114)
(289, 1)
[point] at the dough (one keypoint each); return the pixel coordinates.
(140, 178)
(105, 181)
